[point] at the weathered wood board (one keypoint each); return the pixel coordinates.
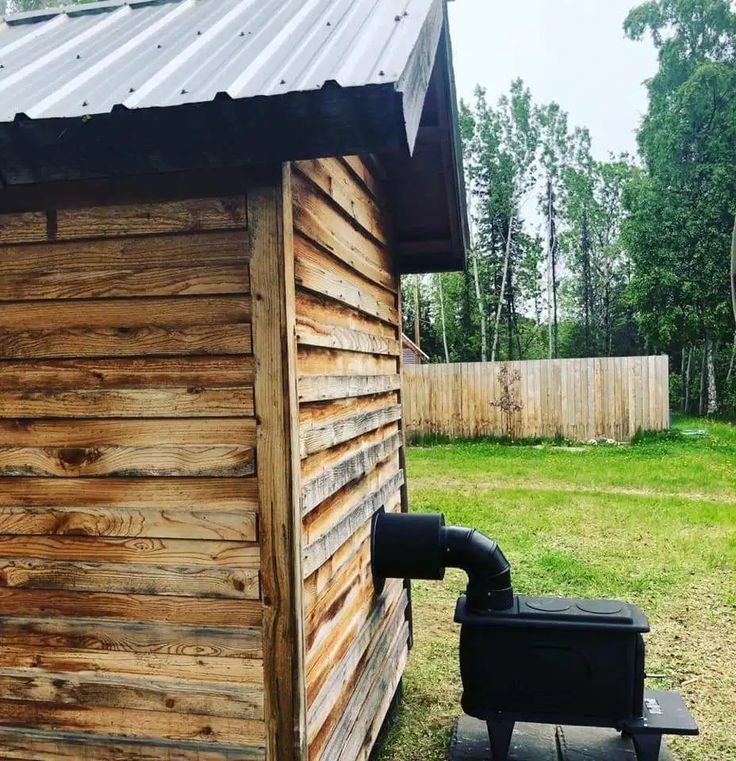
(130, 568)
(351, 447)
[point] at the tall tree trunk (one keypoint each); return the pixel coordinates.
(687, 379)
(550, 270)
(510, 313)
(712, 390)
(701, 404)
(442, 318)
(417, 322)
(733, 296)
(3, 8)
(585, 247)
(481, 310)
(506, 260)
(733, 302)
(733, 270)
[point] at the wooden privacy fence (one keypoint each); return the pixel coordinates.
(579, 399)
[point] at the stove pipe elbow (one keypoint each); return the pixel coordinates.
(417, 546)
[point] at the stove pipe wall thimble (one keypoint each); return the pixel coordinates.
(417, 546)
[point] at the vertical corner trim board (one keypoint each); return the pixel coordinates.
(272, 274)
(130, 547)
(351, 446)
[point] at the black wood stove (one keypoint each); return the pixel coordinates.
(533, 659)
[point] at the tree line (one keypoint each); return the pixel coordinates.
(571, 256)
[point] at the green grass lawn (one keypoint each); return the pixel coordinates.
(653, 523)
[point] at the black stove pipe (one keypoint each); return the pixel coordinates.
(421, 546)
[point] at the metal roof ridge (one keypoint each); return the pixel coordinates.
(85, 9)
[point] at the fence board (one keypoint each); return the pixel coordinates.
(579, 399)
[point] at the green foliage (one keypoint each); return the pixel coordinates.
(682, 207)
(518, 152)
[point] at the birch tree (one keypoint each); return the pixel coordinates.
(553, 158)
(519, 142)
(443, 317)
(733, 301)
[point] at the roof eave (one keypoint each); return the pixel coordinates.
(224, 133)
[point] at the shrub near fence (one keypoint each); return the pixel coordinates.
(577, 399)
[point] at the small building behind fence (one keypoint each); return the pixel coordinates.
(578, 399)
(412, 354)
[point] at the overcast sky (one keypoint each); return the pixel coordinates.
(570, 51)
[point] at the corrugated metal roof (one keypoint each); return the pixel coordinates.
(142, 54)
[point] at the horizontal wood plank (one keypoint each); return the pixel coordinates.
(386, 656)
(40, 635)
(318, 551)
(198, 523)
(378, 697)
(131, 723)
(129, 607)
(89, 314)
(137, 693)
(338, 184)
(327, 311)
(163, 461)
(152, 253)
(245, 672)
(186, 402)
(366, 176)
(100, 283)
(317, 273)
(156, 265)
(320, 437)
(194, 372)
(386, 617)
(170, 552)
(23, 227)
(310, 333)
(317, 464)
(353, 467)
(215, 496)
(316, 388)
(90, 433)
(27, 745)
(126, 342)
(186, 216)
(316, 220)
(188, 581)
(318, 361)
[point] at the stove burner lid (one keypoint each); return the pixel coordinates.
(558, 613)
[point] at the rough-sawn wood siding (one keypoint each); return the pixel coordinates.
(348, 336)
(129, 542)
(200, 413)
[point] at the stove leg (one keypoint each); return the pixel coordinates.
(499, 732)
(647, 747)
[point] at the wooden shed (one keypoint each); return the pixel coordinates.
(205, 206)
(411, 353)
